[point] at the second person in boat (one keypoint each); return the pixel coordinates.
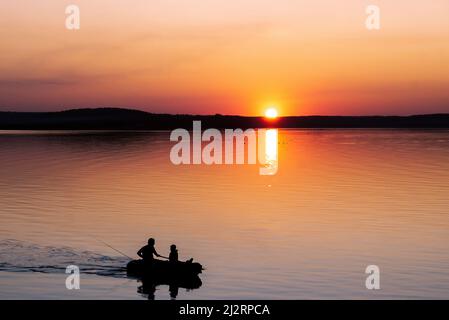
(173, 257)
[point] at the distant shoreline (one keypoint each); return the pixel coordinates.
(129, 119)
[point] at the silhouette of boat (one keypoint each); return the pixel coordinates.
(164, 270)
(174, 274)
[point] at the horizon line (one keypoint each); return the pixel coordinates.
(218, 114)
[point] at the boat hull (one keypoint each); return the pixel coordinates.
(163, 269)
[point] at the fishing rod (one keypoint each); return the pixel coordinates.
(125, 255)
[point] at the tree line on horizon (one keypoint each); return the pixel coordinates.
(129, 119)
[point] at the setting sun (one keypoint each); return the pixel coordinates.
(271, 113)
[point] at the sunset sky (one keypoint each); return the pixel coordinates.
(230, 57)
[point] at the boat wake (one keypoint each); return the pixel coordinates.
(19, 256)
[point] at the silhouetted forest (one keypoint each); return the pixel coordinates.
(128, 119)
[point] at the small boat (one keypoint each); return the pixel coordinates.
(164, 270)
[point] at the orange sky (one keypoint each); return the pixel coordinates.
(231, 57)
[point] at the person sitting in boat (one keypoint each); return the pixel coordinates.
(147, 252)
(173, 257)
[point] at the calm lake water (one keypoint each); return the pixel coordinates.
(340, 201)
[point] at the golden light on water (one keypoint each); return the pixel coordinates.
(269, 152)
(271, 146)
